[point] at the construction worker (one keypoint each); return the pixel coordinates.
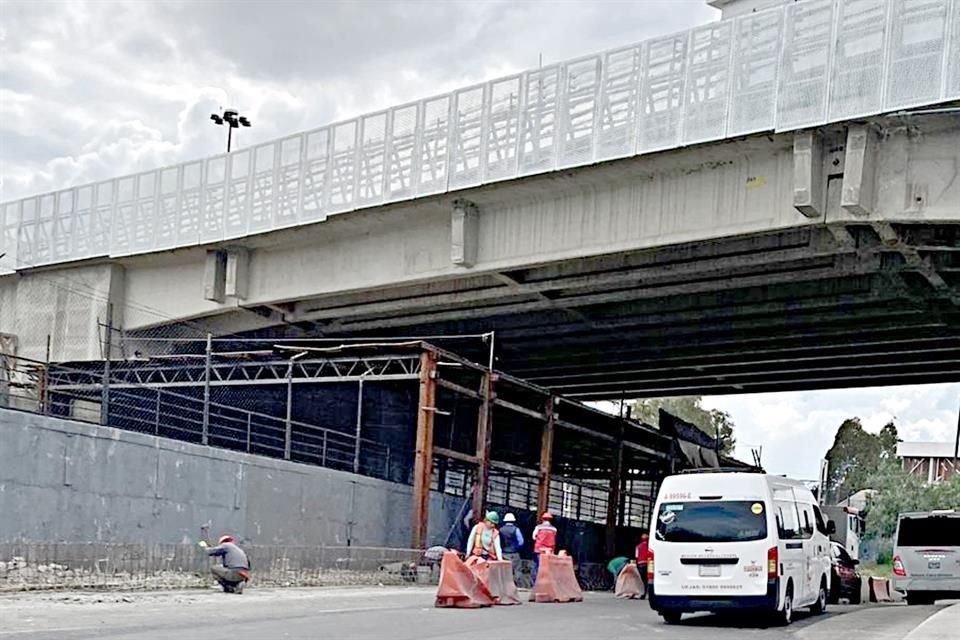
(643, 555)
(484, 540)
(235, 569)
(511, 541)
(544, 540)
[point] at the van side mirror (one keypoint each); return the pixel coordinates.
(831, 527)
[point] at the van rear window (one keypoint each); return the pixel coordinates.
(929, 532)
(733, 521)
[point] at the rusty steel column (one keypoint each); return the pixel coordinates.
(484, 440)
(546, 459)
(423, 463)
(613, 498)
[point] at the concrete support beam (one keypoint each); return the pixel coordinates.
(215, 276)
(464, 233)
(858, 195)
(546, 457)
(484, 442)
(423, 461)
(808, 184)
(237, 279)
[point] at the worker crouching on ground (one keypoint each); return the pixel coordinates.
(484, 540)
(511, 541)
(544, 540)
(235, 569)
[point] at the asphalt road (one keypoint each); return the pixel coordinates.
(402, 614)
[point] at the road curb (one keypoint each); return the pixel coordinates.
(942, 625)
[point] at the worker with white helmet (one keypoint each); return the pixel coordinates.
(511, 541)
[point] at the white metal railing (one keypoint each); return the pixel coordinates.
(790, 67)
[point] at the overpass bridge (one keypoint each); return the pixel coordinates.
(766, 202)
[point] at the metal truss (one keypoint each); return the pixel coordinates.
(194, 373)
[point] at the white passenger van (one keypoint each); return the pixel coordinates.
(926, 556)
(725, 541)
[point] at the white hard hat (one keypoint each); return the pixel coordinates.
(509, 518)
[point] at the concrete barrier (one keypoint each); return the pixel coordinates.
(629, 584)
(880, 590)
(556, 580)
(497, 577)
(460, 587)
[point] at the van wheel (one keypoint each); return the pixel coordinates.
(916, 598)
(820, 606)
(784, 616)
(671, 617)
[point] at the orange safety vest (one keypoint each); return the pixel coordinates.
(544, 538)
(478, 531)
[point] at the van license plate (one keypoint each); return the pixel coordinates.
(709, 571)
(933, 564)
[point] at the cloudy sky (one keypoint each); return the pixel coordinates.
(796, 429)
(94, 89)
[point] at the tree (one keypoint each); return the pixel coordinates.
(713, 422)
(898, 491)
(855, 456)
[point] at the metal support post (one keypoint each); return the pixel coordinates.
(45, 383)
(207, 363)
(108, 352)
(484, 441)
(288, 431)
(156, 416)
(546, 458)
(423, 463)
(613, 498)
(249, 429)
(356, 438)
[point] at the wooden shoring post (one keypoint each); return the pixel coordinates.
(423, 463)
(484, 441)
(613, 498)
(546, 458)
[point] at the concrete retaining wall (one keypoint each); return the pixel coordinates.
(70, 482)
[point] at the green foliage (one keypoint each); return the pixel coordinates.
(898, 491)
(855, 456)
(689, 408)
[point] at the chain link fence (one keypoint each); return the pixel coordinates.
(34, 566)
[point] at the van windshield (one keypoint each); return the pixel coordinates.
(942, 531)
(733, 521)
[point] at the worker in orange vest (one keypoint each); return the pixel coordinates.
(484, 540)
(544, 540)
(643, 557)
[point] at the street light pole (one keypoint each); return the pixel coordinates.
(232, 119)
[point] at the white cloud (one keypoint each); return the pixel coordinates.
(796, 429)
(91, 89)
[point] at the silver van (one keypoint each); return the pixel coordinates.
(926, 556)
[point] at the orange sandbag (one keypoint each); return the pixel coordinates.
(497, 576)
(629, 584)
(459, 586)
(556, 581)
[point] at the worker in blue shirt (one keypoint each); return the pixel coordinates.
(511, 541)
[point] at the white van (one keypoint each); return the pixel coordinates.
(724, 541)
(926, 556)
